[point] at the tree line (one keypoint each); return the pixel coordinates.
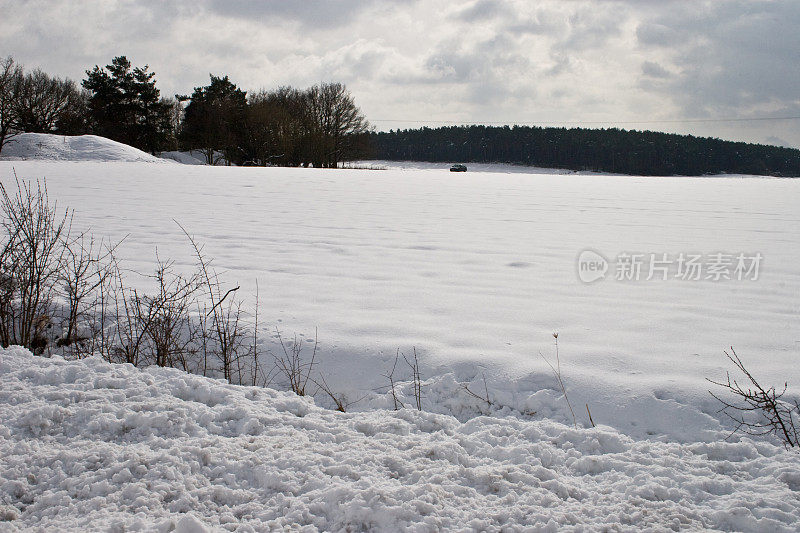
(605, 150)
(319, 126)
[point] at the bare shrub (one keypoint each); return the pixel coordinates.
(31, 260)
(339, 400)
(48, 277)
(412, 362)
(758, 411)
(221, 328)
(416, 378)
(182, 321)
(257, 375)
(485, 397)
(130, 320)
(100, 313)
(85, 272)
(390, 376)
(293, 366)
(169, 327)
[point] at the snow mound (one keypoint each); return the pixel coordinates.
(90, 445)
(192, 157)
(79, 148)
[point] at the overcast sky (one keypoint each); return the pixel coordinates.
(637, 64)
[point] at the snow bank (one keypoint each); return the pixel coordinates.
(78, 148)
(192, 157)
(90, 445)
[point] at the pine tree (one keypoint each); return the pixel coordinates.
(125, 105)
(214, 121)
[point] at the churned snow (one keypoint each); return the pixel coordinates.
(89, 445)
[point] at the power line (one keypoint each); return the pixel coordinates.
(534, 123)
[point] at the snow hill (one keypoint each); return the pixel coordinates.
(79, 148)
(86, 445)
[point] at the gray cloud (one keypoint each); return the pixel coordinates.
(654, 70)
(657, 34)
(510, 60)
(482, 10)
(319, 15)
(589, 28)
(731, 55)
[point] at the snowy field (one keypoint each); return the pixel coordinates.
(476, 271)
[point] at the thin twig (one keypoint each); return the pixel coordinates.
(557, 372)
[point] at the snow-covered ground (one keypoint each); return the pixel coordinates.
(476, 271)
(472, 167)
(86, 445)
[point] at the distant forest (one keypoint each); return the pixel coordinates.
(607, 150)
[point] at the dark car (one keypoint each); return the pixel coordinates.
(458, 168)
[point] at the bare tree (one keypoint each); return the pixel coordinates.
(759, 411)
(264, 117)
(43, 104)
(334, 123)
(10, 74)
(275, 130)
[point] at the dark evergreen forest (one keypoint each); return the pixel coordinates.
(608, 150)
